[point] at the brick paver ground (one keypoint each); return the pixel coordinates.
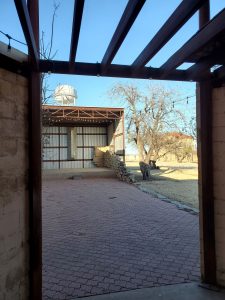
(102, 236)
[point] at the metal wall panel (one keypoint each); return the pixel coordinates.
(50, 165)
(63, 140)
(50, 154)
(63, 153)
(71, 164)
(86, 139)
(79, 153)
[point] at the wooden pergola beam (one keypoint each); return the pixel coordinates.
(199, 69)
(204, 36)
(13, 65)
(25, 21)
(129, 16)
(77, 18)
(219, 76)
(123, 71)
(178, 18)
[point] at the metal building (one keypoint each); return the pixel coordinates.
(71, 133)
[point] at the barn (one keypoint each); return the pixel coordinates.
(71, 134)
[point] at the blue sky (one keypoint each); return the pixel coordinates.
(98, 24)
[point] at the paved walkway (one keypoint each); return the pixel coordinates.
(103, 236)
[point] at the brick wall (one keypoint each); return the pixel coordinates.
(14, 187)
(219, 179)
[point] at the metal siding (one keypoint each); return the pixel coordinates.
(79, 153)
(79, 140)
(63, 153)
(89, 164)
(63, 130)
(71, 164)
(50, 154)
(88, 153)
(93, 136)
(63, 140)
(50, 165)
(79, 129)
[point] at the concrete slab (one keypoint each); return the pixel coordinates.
(189, 291)
(78, 173)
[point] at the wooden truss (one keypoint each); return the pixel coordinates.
(79, 114)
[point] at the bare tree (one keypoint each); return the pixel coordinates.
(46, 52)
(150, 117)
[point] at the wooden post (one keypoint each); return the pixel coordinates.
(206, 170)
(35, 166)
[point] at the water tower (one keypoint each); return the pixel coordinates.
(65, 95)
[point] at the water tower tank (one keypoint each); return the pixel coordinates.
(65, 95)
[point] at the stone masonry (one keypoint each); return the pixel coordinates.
(14, 187)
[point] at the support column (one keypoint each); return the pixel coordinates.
(204, 123)
(35, 179)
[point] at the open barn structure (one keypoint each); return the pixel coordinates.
(70, 135)
(205, 49)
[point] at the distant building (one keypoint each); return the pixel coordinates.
(71, 133)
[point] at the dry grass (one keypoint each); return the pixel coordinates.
(177, 181)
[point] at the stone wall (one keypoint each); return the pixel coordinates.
(114, 162)
(219, 179)
(14, 187)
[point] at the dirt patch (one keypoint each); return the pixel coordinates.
(175, 181)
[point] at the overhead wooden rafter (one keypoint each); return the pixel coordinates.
(77, 17)
(204, 36)
(123, 71)
(178, 18)
(207, 38)
(129, 16)
(199, 69)
(219, 76)
(25, 21)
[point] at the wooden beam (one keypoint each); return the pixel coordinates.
(25, 21)
(129, 16)
(178, 18)
(199, 70)
(219, 77)
(13, 65)
(77, 18)
(205, 154)
(204, 36)
(123, 71)
(35, 180)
